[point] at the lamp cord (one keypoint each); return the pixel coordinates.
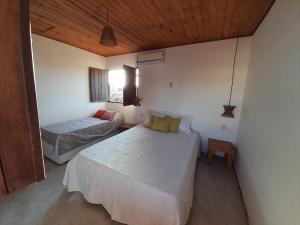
(233, 69)
(107, 16)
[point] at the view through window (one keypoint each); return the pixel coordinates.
(116, 85)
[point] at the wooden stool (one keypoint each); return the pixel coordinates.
(226, 147)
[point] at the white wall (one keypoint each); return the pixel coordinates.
(268, 163)
(62, 80)
(201, 77)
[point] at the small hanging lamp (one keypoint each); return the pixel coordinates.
(108, 37)
(228, 109)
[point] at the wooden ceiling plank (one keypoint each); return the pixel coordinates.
(168, 24)
(158, 27)
(145, 24)
(69, 22)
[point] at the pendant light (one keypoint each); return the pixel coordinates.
(108, 37)
(228, 109)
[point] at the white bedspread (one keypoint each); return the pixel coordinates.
(141, 177)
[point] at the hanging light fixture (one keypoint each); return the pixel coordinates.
(108, 37)
(228, 109)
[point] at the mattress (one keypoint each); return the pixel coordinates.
(141, 177)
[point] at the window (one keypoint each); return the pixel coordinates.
(117, 80)
(116, 84)
(137, 78)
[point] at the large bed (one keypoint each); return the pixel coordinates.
(141, 176)
(62, 141)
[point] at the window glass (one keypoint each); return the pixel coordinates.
(137, 80)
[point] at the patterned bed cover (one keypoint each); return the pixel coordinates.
(75, 133)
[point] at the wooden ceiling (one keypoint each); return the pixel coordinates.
(145, 24)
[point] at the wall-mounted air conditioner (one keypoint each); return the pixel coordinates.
(148, 58)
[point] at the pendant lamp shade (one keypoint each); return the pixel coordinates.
(228, 111)
(108, 37)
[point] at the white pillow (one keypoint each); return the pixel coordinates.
(185, 124)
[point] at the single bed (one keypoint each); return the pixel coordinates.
(141, 176)
(62, 141)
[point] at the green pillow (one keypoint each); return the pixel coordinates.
(160, 124)
(174, 124)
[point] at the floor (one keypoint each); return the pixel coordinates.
(217, 201)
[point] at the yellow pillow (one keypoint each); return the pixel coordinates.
(174, 124)
(160, 124)
(150, 122)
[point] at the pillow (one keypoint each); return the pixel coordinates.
(99, 113)
(160, 124)
(185, 123)
(149, 122)
(174, 124)
(108, 115)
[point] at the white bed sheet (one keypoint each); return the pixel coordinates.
(141, 177)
